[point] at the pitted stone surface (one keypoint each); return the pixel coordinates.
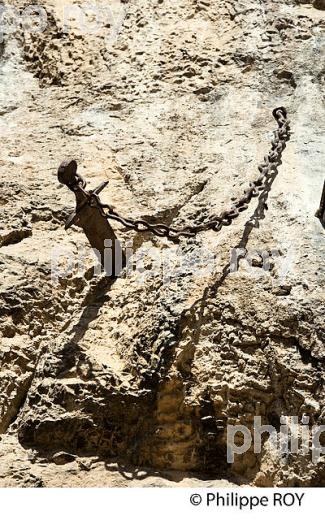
(117, 384)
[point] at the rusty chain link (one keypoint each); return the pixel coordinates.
(268, 167)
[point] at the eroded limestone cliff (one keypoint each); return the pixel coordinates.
(126, 383)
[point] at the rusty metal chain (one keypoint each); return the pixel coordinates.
(267, 168)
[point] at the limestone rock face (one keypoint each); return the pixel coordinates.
(135, 381)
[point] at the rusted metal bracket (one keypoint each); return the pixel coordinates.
(89, 216)
(320, 213)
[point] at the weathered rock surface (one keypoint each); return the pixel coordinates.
(171, 102)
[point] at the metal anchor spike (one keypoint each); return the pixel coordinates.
(89, 217)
